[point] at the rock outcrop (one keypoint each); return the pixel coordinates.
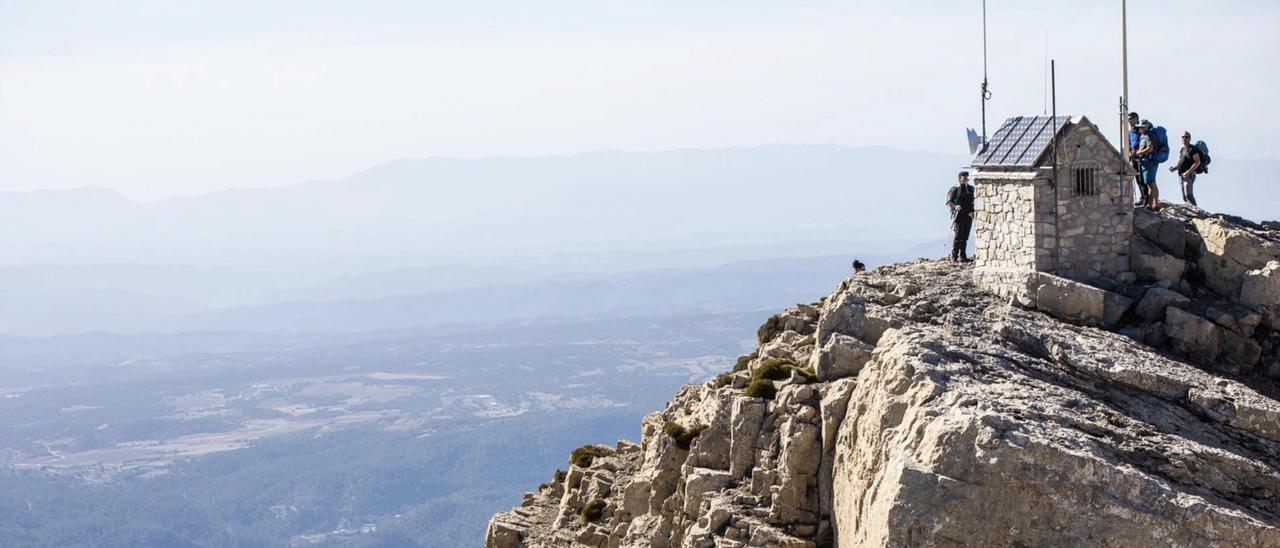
(910, 408)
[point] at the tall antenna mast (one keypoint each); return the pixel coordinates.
(1046, 71)
(1053, 94)
(1053, 91)
(986, 94)
(1124, 78)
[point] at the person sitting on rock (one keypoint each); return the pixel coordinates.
(960, 201)
(858, 267)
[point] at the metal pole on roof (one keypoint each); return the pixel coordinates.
(1053, 90)
(986, 93)
(1124, 78)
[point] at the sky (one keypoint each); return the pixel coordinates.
(166, 98)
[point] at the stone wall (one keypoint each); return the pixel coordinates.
(1009, 242)
(1025, 224)
(1093, 229)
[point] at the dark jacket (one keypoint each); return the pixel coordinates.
(1187, 158)
(961, 195)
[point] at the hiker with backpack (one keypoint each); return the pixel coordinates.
(960, 202)
(1153, 150)
(1133, 158)
(1193, 160)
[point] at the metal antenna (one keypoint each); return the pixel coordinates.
(986, 93)
(1046, 72)
(1053, 90)
(1124, 78)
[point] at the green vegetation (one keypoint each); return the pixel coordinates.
(761, 388)
(583, 456)
(722, 380)
(775, 369)
(771, 329)
(681, 435)
(808, 373)
(592, 512)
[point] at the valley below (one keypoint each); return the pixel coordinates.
(409, 437)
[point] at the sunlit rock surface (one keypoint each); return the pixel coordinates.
(910, 408)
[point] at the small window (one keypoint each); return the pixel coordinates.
(1086, 181)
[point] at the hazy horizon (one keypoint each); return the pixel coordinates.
(154, 99)
(311, 272)
(92, 259)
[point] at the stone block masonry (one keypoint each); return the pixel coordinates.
(1094, 208)
(1075, 222)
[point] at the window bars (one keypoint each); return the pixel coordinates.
(1086, 179)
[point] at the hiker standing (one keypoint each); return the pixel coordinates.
(1147, 163)
(1134, 137)
(1190, 162)
(960, 201)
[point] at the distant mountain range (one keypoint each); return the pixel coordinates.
(410, 213)
(91, 259)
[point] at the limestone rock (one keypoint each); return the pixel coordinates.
(1260, 289)
(1237, 350)
(698, 483)
(842, 356)
(1191, 334)
(849, 314)
(1151, 263)
(1150, 334)
(1228, 251)
(1077, 302)
(1156, 300)
(800, 319)
(955, 419)
(710, 449)
(747, 418)
(1166, 232)
(923, 425)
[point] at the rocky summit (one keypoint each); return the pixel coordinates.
(912, 408)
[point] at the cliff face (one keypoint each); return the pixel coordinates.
(911, 408)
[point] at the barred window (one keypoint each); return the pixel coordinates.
(1086, 181)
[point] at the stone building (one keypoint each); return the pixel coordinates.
(1073, 221)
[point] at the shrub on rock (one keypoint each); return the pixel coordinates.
(680, 435)
(761, 388)
(592, 512)
(583, 456)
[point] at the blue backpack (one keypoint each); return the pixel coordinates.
(1162, 144)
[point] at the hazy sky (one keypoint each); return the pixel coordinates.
(169, 97)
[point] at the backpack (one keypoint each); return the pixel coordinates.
(1204, 156)
(1162, 147)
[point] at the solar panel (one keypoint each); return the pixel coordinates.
(1020, 141)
